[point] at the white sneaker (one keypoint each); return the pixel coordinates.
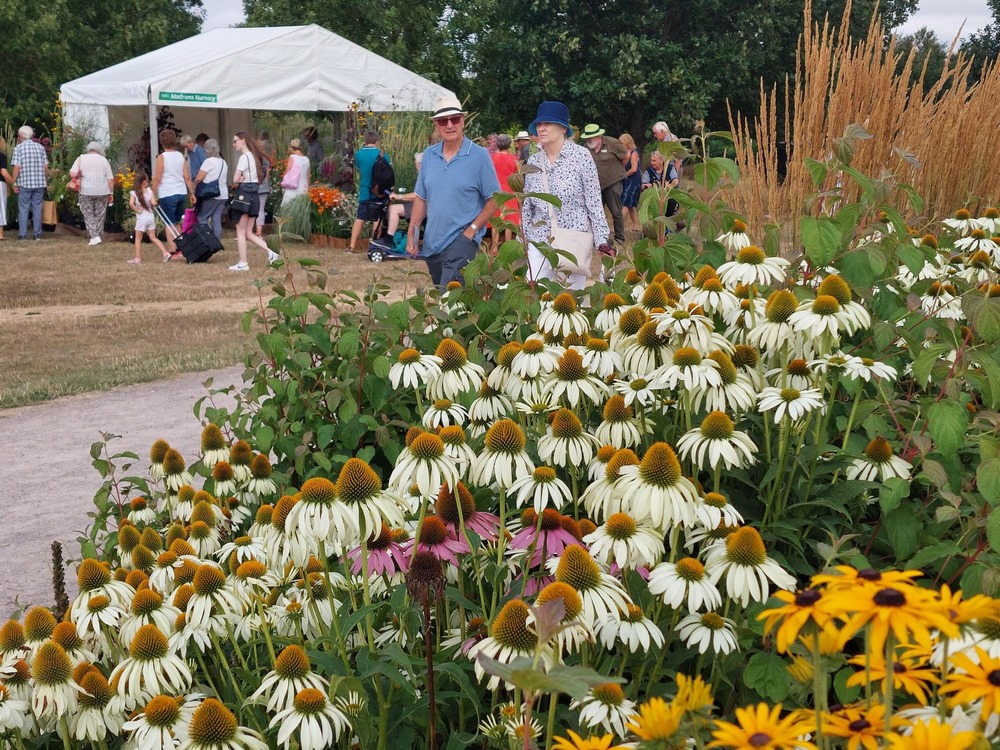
(272, 257)
(240, 267)
(94, 241)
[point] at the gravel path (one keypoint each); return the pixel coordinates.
(47, 482)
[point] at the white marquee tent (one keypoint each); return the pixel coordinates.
(213, 81)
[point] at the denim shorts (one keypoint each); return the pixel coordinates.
(173, 207)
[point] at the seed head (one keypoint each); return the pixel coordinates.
(212, 724)
(357, 482)
(452, 355)
(241, 454)
(578, 569)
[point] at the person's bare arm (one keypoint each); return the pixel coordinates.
(416, 219)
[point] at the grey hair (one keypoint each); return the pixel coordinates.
(503, 142)
(661, 125)
(211, 147)
(186, 139)
(96, 146)
(26, 131)
(418, 158)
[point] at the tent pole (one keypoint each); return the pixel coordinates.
(154, 141)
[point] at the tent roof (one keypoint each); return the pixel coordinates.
(304, 68)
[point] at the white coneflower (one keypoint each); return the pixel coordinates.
(94, 578)
(316, 721)
(942, 301)
(456, 448)
(716, 442)
(600, 593)
(620, 427)
(742, 559)
(162, 725)
(244, 548)
(863, 368)
(214, 727)
(457, 376)
(210, 591)
(442, 413)
(632, 628)
(510, 637)
(735, 393)
(688, 369)
(260, 483)
(624, 541)
(213, 446)
(504, 458)
(101, 712)
(491, 405)
(224, 479)
(601, 498)
(980, 267)
(656, 489)
(796, 373)
(571, 381)
(425, 464)
(684, 582)
(607, 707)
(714, 509)
(175, 473)
(690, 327)
(39, 624)
(13, 712)
(646, 352)
(140, 513)
(362, 506)
(990, 220)
(736, 238)
(611, 311)
(535, 359)
(818, 317)
(150, 669)
(55, 693)
(292, 674)
(637, 390)
(542, 488)
(99, 621)
(497, 379)
(575, 632)
(753, 266)
(157, 453)
(790, 401)
(879, 463)
(935, 269)
(631, 320)
(773, 332)
(708, 632)
(565, 442)
(563, 318)
(600, 360)
(148, 608)
(414, 370)
(853, 316)
(962, 222)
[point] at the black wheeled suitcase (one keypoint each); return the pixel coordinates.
(198, 243)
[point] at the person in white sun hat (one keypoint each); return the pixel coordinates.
(455, 192)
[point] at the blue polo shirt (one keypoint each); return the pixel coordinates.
(455, 192)
(364, 160)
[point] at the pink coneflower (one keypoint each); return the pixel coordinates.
(486, 525)
(386, 556)
(434, 537)
(553, 537)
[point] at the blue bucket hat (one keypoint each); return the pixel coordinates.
(556, 112)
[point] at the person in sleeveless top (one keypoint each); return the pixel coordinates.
(171, 184)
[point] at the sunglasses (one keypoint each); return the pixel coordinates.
(453, 120)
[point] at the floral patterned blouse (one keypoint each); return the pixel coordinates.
(573, 178)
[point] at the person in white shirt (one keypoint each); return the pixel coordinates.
(97, 188)
(249, 168)
(213, 170)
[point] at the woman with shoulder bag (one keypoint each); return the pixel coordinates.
(210, 188)
(566, 170)
(245, 202)
(97, 186)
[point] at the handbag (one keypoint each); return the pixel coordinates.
(74, 184)
(580, 245)
(244, 199)
(205, 190)
(290, 180)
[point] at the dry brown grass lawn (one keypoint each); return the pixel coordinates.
(75, 318)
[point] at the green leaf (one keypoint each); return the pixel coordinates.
(947, 421)
(574, 681)
(768, 675)
(892, 493)
(984, 315)
(347, 346)
(264, 437)
(912, 257)
(991, 371)
(933, 553)
(988, 480)
(381, 367)
(903, 527)
(924, 362)
(857, 269)
(993, 529)
(821, 238)
(817, 170)
(845, 694)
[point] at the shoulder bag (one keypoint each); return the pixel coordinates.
(208, 188)
(580, 245)
(290, 180)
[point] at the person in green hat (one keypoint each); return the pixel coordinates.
(610, 156)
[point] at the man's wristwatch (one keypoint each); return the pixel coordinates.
(473, 227)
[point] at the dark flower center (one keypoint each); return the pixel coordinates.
(807, 598)
(759, 739)
(860, 725)
(994, 678)
(890, 598)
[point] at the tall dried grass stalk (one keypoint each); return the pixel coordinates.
(943, 143)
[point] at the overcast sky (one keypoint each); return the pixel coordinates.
(943, 17)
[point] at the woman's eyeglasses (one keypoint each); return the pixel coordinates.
(453, 120)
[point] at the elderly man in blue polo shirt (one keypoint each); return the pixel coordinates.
(455, 192)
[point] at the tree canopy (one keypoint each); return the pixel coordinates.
(59, 40)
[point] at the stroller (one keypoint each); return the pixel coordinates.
(383, 247)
